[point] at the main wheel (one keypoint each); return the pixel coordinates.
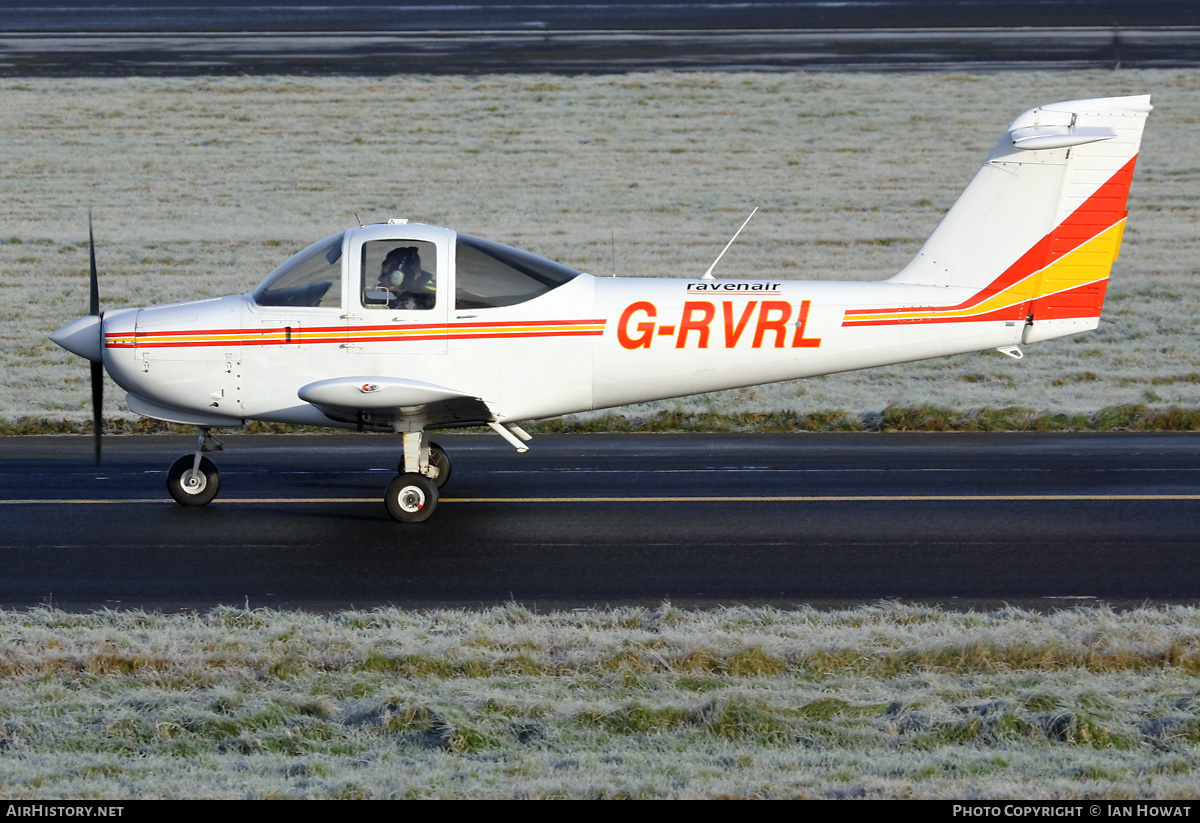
(441, 461)
(193, 488)
(411, 498)
(437, 459)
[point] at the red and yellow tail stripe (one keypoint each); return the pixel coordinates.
(1063, 275)
(314, 335)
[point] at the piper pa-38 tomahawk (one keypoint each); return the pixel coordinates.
(407, 328)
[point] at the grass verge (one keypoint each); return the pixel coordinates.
(884, 701)
(1134, 417)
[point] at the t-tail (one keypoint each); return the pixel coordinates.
(1035, 234)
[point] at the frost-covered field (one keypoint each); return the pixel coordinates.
(201, 186)
(890, 701)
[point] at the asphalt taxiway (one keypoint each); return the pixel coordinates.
(966, 520)
(223, 37)
(590, 52)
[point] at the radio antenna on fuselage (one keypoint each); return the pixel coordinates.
(708, 275)
(613, 248)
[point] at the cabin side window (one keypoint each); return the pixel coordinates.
(312, 278)
(399, 274)
(489, 275)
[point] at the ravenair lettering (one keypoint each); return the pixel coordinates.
(715, 286)
(755, 324)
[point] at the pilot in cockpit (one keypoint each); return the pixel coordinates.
(411, 286)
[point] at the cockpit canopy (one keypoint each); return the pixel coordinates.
(492, 274)
(487, 274)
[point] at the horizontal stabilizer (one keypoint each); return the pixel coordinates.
(1034, 138)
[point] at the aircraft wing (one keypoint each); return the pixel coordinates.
(380, 402)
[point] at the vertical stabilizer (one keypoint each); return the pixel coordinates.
(1041, 223)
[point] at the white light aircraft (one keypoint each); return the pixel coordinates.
(407, 328)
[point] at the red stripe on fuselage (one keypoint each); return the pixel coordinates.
(312, 335)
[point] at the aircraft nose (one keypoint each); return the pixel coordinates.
(82, 337)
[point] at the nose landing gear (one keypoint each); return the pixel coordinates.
(194, 480)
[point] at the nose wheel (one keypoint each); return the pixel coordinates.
(194, 480)
(193, 485)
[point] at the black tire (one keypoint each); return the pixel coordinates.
(193, 490)
(439, 459)
(411, 498)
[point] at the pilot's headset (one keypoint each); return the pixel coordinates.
(401, 256)
(410, 261)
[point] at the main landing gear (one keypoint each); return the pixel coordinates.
(413, 494)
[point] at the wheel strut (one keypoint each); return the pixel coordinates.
(413, 493)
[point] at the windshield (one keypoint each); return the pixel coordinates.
(311, 278)
(491, 274)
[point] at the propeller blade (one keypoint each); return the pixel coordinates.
(97, 406)
(97, 367)
(94, 307)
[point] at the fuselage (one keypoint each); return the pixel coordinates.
(584, 344)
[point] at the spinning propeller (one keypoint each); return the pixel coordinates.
(85, 337)
(97, 365)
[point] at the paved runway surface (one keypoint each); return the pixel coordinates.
(321, 16)
(382, 54)
(591, 520)
(168, 37)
